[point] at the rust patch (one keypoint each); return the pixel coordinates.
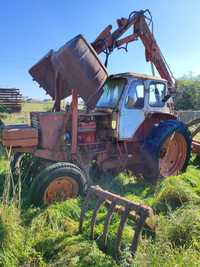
(173, 155)
(19, 136)
(60, 189)
(79, 68)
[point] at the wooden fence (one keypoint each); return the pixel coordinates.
(188, 115)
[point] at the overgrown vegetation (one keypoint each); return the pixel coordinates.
(49, 236)
(42, 237)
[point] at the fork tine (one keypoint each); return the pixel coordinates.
(138, 230)
(120, 205)
(94, 216)
(107, 223)
(84, 209)
(120, 230)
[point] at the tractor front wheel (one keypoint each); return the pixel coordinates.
(58, 182)
(166, 151)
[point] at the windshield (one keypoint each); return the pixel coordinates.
(112, 92)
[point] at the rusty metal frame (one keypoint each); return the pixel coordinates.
(74, 112)
(140, 22)
(195, 143)
(57, 92)
(118, 204)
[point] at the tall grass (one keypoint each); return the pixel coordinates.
(12, 189)
(49, 236)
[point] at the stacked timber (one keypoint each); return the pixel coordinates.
(10, 100)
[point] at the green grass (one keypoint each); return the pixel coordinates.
(49, 236)
(23, 116)
(37, 106)
(197, 137)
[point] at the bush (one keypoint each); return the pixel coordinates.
(60, 216)
(177, 241)
(162, 253)
(79, 252)
(172, 193)
(182, 229)
(188, 96)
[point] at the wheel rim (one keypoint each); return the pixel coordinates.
(173, 155)
(60, 189)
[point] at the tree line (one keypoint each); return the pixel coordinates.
(188, 93)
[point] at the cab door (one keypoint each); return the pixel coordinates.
(132, 110)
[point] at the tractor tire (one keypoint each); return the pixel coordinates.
(25, 163)
(58, 182)
(166, 151)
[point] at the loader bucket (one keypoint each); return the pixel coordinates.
(44, 73)
(79, 68)
(124, 207)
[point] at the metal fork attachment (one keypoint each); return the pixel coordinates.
(124, 207)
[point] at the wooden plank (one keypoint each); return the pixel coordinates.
(21, 142)
(19, 133)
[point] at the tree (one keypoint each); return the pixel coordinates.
(188, 93)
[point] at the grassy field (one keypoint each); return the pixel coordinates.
(42, 237)
(23, 116)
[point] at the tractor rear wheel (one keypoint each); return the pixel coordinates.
(56, 183)
(166, 151)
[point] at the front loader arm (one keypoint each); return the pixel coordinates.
(107, 41)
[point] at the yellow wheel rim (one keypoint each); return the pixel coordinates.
(173, 155)
(60, 189)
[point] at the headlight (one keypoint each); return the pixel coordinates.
(114, 124)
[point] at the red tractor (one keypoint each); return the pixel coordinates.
(128, 122)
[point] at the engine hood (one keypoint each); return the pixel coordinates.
(79, 68)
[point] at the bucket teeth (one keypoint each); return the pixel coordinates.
(115, 204)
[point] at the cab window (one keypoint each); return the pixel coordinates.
(157, 92)
(135, 96)
(112, 92)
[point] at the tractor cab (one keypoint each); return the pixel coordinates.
(133, 96)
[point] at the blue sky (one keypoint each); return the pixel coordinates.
(29, 29)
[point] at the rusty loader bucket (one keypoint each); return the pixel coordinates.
(121, 205)
(79, 68)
